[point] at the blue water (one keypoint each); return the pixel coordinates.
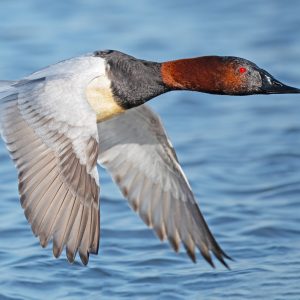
(241, 154)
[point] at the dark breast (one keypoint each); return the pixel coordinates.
(133, 81)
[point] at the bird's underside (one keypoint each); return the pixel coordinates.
(56, 152)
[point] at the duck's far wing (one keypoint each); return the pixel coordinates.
(55, 150)
(137, 153)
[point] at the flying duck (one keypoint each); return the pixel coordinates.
(59, 122)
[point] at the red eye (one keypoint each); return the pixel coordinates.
(242, 70)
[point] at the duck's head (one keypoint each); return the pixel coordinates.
(224, 75)
(132, 81)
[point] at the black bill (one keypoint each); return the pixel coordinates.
(270, 85)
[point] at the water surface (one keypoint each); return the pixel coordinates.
(241, 154)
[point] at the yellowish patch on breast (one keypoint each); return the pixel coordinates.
(101, 99)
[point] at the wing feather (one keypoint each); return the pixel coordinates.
(56, 161)
(137, 153)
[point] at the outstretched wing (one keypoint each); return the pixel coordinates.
(51, 134)
(137, 153)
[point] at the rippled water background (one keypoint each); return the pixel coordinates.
(241, 154)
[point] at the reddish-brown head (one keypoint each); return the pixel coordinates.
(221, 75)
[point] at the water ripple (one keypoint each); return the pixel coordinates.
(241, 154)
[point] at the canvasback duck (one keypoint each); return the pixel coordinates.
(59, 122)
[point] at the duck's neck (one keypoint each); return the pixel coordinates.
(134, 81)
(195, 74)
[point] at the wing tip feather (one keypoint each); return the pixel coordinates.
(174, 243)
(190, 252)
(84, 257)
